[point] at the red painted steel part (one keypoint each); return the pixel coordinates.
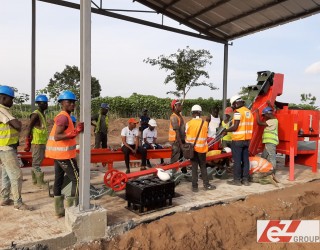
(108, 175)
(118, 181)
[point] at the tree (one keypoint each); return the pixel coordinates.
(69, 79)
(20, 99)
(186, 67)
(308, 99)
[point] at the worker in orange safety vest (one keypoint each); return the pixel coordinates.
(61, 147)
(177, 133)
(241, 135)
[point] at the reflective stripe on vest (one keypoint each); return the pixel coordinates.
(193, 127)
(64, 149)
(245, 128)
(8, 135)
(172, 133)
(40, 136)
(259, 165)
(99, 121)
(271, 136)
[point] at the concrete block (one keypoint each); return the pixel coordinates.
(88, 225)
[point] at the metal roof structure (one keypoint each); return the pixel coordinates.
(216, 20)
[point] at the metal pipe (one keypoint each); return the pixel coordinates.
(85, 103)
(225, 77)
(33, 56)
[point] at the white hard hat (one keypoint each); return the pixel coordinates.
(235, 98)
(163, 175)
(153, 123)
(227, 150)
(196, 108)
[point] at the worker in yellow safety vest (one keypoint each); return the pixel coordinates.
(61, 147)
(9, 141)
(197, 133)
(37, 136)
(177, 133)
(270, 135)
(242, 126)
(101, 126)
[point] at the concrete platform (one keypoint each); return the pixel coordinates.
(41, 226)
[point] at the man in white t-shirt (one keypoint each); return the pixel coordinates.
(214, 122)
(130, 144)
(150, 138)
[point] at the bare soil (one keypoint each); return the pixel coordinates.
(231, 226)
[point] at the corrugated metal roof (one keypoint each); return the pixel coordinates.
(230, 19)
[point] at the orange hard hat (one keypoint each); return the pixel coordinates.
(228, 111)
(174, 102)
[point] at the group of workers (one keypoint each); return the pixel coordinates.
(60, 143)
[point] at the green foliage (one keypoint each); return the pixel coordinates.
(157, 107)
(308, 99)
(303, 106)
(69, 79)
(186, 69)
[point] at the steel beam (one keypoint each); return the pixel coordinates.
(85, 104)
(33, 56)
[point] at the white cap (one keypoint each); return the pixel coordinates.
(227, 150)
(196, 108)
(235, 98)
(163, 175)
(153, 123)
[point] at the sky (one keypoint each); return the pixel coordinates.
(119, 48)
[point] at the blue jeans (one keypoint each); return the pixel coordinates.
(240, 155)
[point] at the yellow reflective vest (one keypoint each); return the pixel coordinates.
(40, 136)
(8, 135)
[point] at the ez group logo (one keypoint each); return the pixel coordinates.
(288, 231)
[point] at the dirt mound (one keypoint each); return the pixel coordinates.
(227, 226)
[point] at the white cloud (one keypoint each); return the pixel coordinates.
(313, 68)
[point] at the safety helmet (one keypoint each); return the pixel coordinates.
(153, 123)
(267, 110)
(67, 95)
(235, 98)
(228, 111)
(226, 150)
(196, 108)
(6, 90)
(41, 98)
(104, 105)
(73, 118)
(174, 102)
(163, 175)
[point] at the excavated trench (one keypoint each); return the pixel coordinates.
(226, 226)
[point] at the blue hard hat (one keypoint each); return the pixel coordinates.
(73, 118)
(267, 110)
(67, 95)
(41, 98)
(6, 90)
(104, 105)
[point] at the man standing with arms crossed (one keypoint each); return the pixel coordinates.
(241, 135)
(61, 147)
(9, 140)
(177, 133)
(37, 136)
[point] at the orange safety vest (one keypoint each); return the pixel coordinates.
(259, 165)
(244, 131)
(172, 133)
(193, 127)
(64, 149)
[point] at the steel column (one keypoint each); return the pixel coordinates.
(85, 103)
(225, 77)
(33, 55)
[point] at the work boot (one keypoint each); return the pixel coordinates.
(246, 183)
(195, 189)
(40, 182)
(234, 182)
(22, 206)
(128, 171)
(71, 201)
(209, 187)
(59, 206)
(34, 179)
(6, 202)
(143, 168)
(149, 164)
